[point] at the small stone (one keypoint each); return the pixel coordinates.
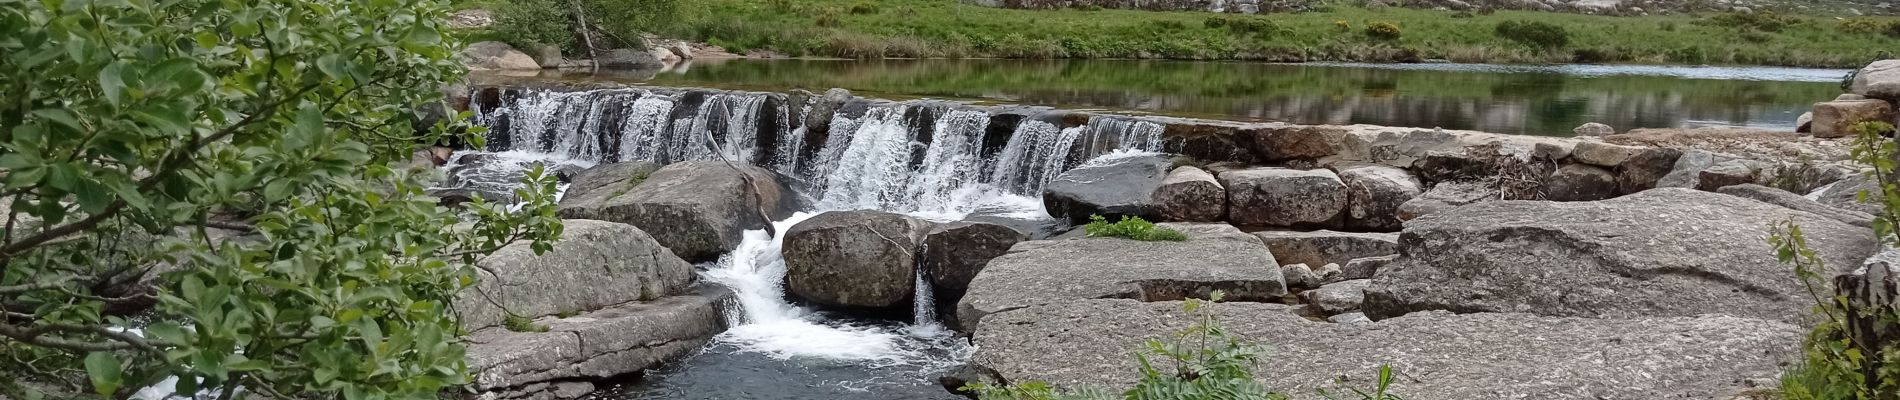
(1365, 268)
(1349, 318)
(1337, 298)
(1330, 273)
(1299, 276)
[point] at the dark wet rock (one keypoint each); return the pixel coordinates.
(595, 264)
(860, 259)
(1215, 257)
(697, 208)
(1797, 202)
(1442, 356)
(1111, 187)
(1374, 194)
(1663, 252)
(1327, 247)
(1284, 197)
(607, 343)
(1579, 182)
(1337, 298)
(1297, 142)
(1643, 170)
(1190, 194)
(629, 59)
(955, 252)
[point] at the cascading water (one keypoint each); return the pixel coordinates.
(927, 159)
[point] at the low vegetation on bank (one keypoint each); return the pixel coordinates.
(949, 29)
(1131, 228)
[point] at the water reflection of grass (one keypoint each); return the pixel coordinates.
(944, 28)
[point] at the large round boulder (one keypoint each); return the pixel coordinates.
(1112, 186)
(1374, 194)
(595, 264)
(1284, 197)
(497, 56)
(1663, 252)
(699, 209)
(856, 259)
(1190, 194)
(955, 252)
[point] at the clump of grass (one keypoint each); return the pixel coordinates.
(1383, 30)
(516, 323)
(1131, 228)
(1536, 34)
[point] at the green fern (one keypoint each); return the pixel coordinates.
(1131, 228)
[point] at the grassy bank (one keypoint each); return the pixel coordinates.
(948, 29)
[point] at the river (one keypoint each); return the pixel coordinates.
(1532, 100)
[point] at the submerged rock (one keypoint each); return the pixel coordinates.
(1112, 187)
(1441, 355)
(696, 208)
(595, 264)
(1190, 194)
(1663, 252)
(1284, 197)
(1215, 257)
(862, 259)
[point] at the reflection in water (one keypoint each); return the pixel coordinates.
(1545, 100)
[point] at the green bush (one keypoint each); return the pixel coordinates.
(1765, 21)
(1131, 228)
(624, 21)
(529, 23)
(1539, 35)
(864, 9)
(1383, 30)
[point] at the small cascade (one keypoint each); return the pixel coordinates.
(1033, 157)
(923, 309)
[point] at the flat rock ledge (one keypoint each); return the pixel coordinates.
(1091, 343)
(620, 340)
(1215, 257)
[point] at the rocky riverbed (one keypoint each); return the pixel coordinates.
(1630, 265)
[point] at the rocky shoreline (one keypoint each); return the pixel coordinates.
(1483, 266)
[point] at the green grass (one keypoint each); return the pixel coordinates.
(1131, 228)
(949, 29)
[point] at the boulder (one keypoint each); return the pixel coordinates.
(1374, 194)
(665, 55)
(1836, 119)
(955, 252)
(1448, 195)
(1804, 123)
(1327, 247)
(1365, 268)
(860, 259)
(612, 179)
(697, 208)
(1299, 276)
(629, 59)
(1284, 197)
(1594, 129)
(1846, 194)
(496, 56)
(1214, 257)
(1580, 182)
(1190, 194)
(547, 55)
(1337, 298)
(1604, 154)
(1798, 203)
(1880, 80)
(1111, 186)
(1439, 355)
(1725, 174)
(1642, 171)
(1663, 252)
(1687, 173)
(595, 264)
(608, 343)
(1297, 142)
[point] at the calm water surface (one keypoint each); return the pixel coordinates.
(1537, 100)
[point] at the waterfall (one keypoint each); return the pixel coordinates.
(929, 159)
(923, 309)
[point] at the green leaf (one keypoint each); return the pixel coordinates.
(104, 371)
(112, 83)
(59, 116)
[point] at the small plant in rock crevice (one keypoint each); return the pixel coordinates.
(516, 323)
(1131, 228)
